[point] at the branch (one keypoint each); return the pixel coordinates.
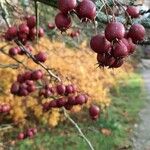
(78, 128)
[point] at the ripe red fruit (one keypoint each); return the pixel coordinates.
(27, 75)
(120, 50)
(37, 74)
(31, 88)
(133, 11)
(60, 102)
(86, 10)
(11, 33)
(80, 99)
(118, 63)
(46, 106)
(30, 134)
(41, 32)
(71, 100)
(5, 108)
(21, 136)
(32, 34)
(15, 88)
(114, 30)
(41, 56)
(99, 44)
(23, 28)
(13, 51)
(20, 78)
(129, 44)
(74, 88)
(53, 104)
(31, 21)
(61, 89)
(136, 32)
(51, 26)
(23, 37)
(47, 93)
(62, 21)
(69, 89)
(94, 112)
(66, 6)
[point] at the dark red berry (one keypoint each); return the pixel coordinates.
(15, 88)
(23, 28)
(62, 21)
(13, 51)
(86, 10)
(61, 89)
(41, 56)
(120, 50)
(69, 89)
(137, 32)
(11, 33)
(51, 26)
(41, 32)
(114, 30)
(94, 112)
(71, 100)
(80, 99)
(133, 11)
(21, 136)
(60, 102)
(66, 6)
(31, 21)
(37, 74)
(100, 44)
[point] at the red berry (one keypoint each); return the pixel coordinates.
(114, 30)
(61, 89)
(46, 106)
(120, 50)
(41, 32)
(100, 44)
(23, 28)
(31, 21)
(13, 51)
(30, 134)
(41, 56)
(21, 136)
(37, 74)
(94, 112)
(60, 102)
(5, 108)
(63, 22)
(31, 88)
(118, 63)
(86, 10)
(66, 6)
(11, 33)
(136, 32)
(15, 88)
(71, 100)
(23, 37)
(80, 99)
(133, 11)
(47, 93)
(53, 104)
(69, 89)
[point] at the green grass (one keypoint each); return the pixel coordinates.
(127, 100)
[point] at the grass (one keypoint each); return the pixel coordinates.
(127, 100)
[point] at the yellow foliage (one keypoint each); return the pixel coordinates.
(75, 65)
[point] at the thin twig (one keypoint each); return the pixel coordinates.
(78, 128)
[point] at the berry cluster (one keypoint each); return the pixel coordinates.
(31, 132)
(85, 10)
(67, 97)
(25, 31)
(5, 108)
(25, 83)
(117, 42)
